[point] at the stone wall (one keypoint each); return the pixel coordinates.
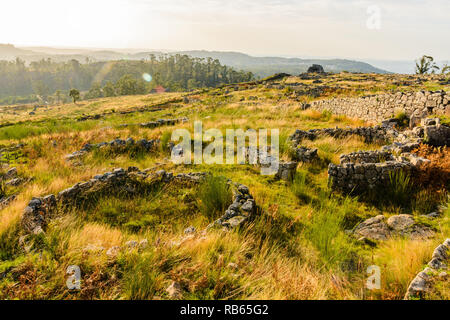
(360, 177)
(425, 279)
(364, 170)
(117, 146)
(378, 134)
(40, 211)
(376, 108)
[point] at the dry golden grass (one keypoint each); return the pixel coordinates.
(400, 260)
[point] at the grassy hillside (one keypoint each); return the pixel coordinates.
(297, 247)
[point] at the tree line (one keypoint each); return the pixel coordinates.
(51, 81)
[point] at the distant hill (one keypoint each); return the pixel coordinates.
(265, 66)
(260, 66)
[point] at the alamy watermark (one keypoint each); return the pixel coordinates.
(237, 151)
(73, 282)
(373, 22)
(373, 282)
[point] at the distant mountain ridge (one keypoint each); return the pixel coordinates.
(260, 66)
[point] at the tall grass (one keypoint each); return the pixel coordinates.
(215, 196)
(325, 231)
(399, 190)
(300, 187)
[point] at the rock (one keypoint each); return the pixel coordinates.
(11, 173)
(447, 243)
(91, 248)
(234, 222)
(175, 291)
(249, 206)
(113, 252)
(132, 244)
(14, 182)
(374, 228)
(233, 266)
(433, 215)
(143, 244)
(243, 189)
(305, 154)
(440, 253)
(437, 264)
(400, 222)
(316, 68)
(189, 230)
(420, 284)
(286, 171)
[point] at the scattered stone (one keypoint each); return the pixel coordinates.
(143, 244)
(93, 249)
(132, 244)
(233, 266)
(113, 252)
(189, 230)
(175, 291)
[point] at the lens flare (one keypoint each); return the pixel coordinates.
(147, 77)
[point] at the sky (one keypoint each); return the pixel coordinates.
(378, 29)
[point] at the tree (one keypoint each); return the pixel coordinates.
(75, 95)
(128, 85)
(426, 65)
(109, 90)
(94, 92)
(58, 96)
(445, 69)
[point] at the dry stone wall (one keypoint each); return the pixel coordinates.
(376, 108)
(132, 181)
(365, 170)
(425, 279)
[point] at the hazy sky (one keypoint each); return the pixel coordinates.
(405, 29)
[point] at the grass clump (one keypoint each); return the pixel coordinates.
(399, 189)
(215, 196)
(300, 186)
(325, 231)
(402, 119)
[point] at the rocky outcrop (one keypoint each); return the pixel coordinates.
(375, 108)
(316, 68)
(380, 228)
(425, 279)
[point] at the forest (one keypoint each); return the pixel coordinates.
(49, 81)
